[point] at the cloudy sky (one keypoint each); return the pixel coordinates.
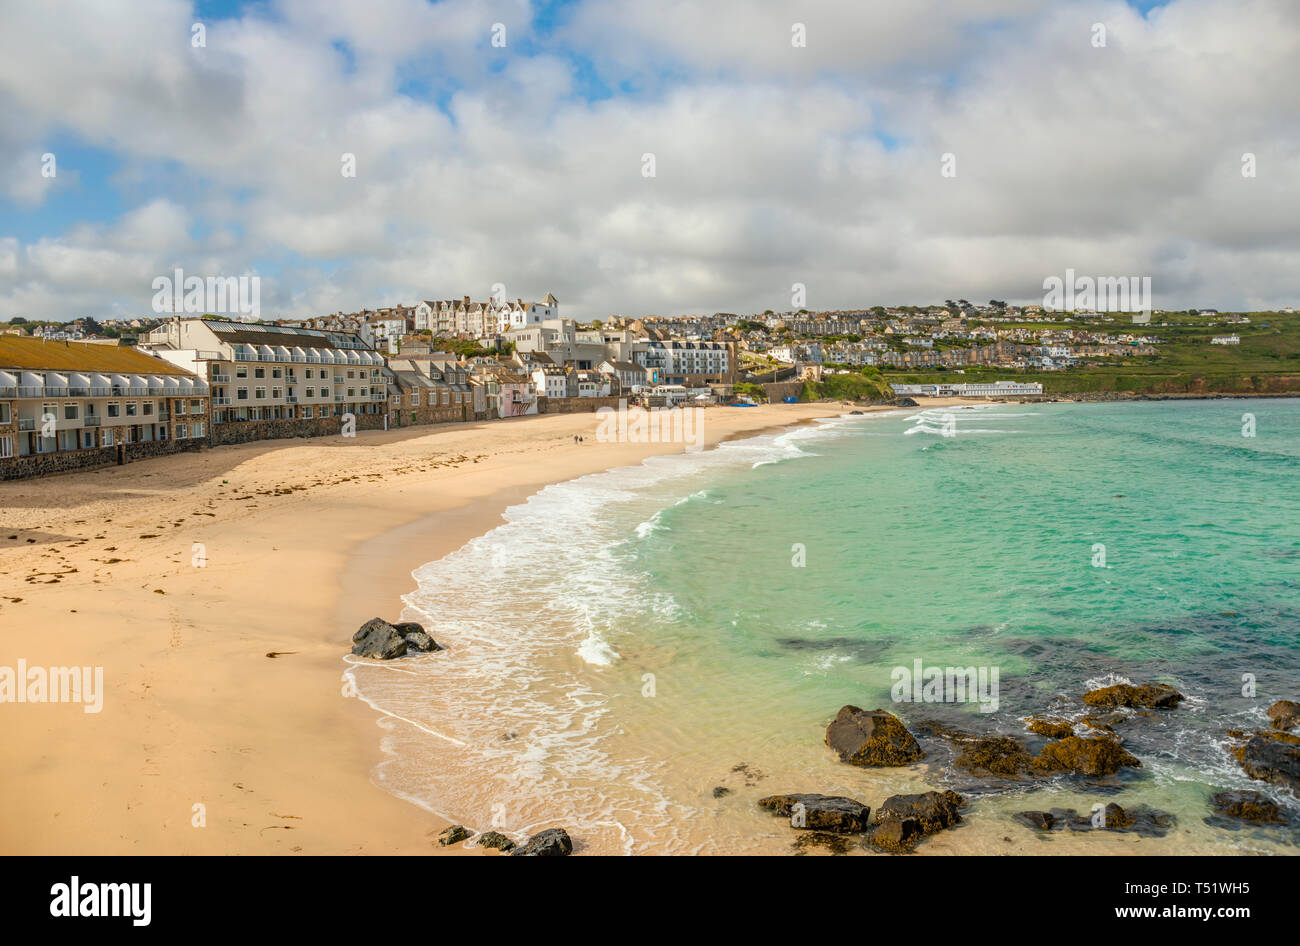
(524, 164)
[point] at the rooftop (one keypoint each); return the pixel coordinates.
(40, 355)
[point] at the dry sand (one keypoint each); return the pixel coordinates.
(303, 540)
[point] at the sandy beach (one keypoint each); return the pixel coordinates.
(219, 591)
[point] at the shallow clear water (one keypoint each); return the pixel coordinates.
(629, 640)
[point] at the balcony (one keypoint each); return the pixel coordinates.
(338, 399)
(164, 415)
(90, 420)
(221, 379)
(27, 423)
(220, 401)
(291, 399)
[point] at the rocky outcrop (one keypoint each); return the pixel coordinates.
(1148, 695)
(1272, 757)
(1049, 726)
(383, 641)
(378, 639)
(874, 738)
(1077, 756)
(1038, 820)
(454, 835)
(495, 839)
(1285, 714)
(1247, 806)
(553, 842)
(834, 814)
(903, 821)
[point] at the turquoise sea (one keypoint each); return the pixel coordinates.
(630, 641)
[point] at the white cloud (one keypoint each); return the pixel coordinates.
(774, 164)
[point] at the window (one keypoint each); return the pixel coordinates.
(308, 373)
(277, 373)
(182, 431)
(162, 431)
(196, 406)
(114, 410)
(197, 430)
(131, 408)
(6, 445)
(178, 407)
(5, 416)
(87, 439)
(307, 412)
(276, 393)
(311, 392)
(241, 371)
(241, 394)
(259, 372)
(146, 409)
(259, 394)
(108, 436)
(69, 411)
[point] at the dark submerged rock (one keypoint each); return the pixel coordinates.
(1248, 806)
(421, 642)
(830, 813)
(721, 791)
(874, 738)
(1038, 820)
(997, 755)
(553, 842)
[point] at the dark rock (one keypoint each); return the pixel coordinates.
(933, 811)
(831, 813)
(1104, 723)
(997, 755)
(1285, 714)
(408, 627)
(1150, 695)
(1039, 820)
(379, 639)
(904, 820)
(1248, 806)
(1272, 757)
(454, 835)
(1138, 819)
(720, 791)
(553, 842)
(1077, 756)
(421, 642)
(1050, 727)
(875, 738)
(496, 839)
(897, 836)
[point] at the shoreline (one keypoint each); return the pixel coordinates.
(301, 543)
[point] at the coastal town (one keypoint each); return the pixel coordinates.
(88, 393)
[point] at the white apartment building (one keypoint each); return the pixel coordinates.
(64, 397)
(266, 373)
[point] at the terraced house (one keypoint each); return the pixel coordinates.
(271, 381)
(67, 405)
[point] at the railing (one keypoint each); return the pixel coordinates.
(241, 356)
(90, 420)
(378, 396)
(27, 423)
(291, 399)
(221, 379)
(339, 379)
(220, 401)
(164, 415)
(338, 399)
